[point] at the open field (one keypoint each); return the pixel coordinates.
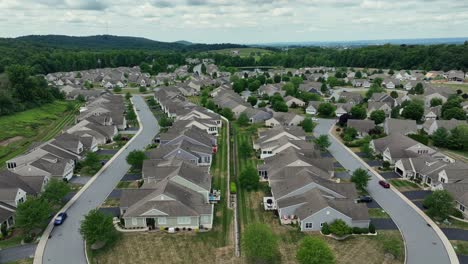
(243, 52)
(34, 125)
(215, 246)
(356, 249)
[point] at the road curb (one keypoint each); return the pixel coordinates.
(39, 254)
(448, 246)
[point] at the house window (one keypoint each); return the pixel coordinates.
(309, 225)
(205, 219)
(162, 220)
(462, 208)
(183, 220)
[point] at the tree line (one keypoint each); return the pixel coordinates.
(432, 57)
(24, 91)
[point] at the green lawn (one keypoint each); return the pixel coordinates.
(404, 185)
(377, 213)
(463, 87)
(22, 261)
(461, 247)
(34, 125)
(11, 242)
(456, 224)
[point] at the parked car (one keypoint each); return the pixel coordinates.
(364, 199)
(384, 184)
(60, 218)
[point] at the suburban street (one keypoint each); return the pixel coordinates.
(66, 244)
(422, 243)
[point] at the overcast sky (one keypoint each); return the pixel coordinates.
(241, 21)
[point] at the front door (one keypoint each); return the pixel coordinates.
(150, 223)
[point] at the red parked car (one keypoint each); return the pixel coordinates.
(384, 184)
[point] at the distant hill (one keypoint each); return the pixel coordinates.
(183, 42)
(363, 43)
(109, 42)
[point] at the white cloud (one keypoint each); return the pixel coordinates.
(242, 21)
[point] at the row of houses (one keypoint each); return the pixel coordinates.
(302, 187)
(29, 173)
(176, 190)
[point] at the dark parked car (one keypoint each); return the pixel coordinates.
(364, 199)
(60, 218)
(384, 184)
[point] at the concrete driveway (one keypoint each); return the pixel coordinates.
(66, 244)
(422, 243)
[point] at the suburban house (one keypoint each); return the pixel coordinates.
(292, 101)
(432, 170)
(431, 125)
(352, 98)
(362, 126)
(432, 113)
(273, 134)
(383, 97)
(185, 150)
(173, 195)
(440, 92)
(270, 89)
(342, 109)
(257, 115)
(311, 87)
(459, 192)
(312, 107)
(193, 134)
(456, 76)
(109, 105)
(284, 119)
(374, 106)
(396, 146)
(400, 126)
(272, 148)
(303, 193)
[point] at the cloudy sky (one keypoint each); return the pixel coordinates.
(238, 21)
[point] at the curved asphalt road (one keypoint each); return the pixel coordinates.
(423, 246)
(66, 243)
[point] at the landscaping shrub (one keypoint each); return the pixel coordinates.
(314, 250)
(386, 165)
(338, 129)
(325, 229)
(424, 139)
(457, 213)
(372, 229)
(340, 228)
(357, 230)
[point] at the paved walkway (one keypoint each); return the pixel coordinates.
(423, 245)
(66, 244)
(18, 252)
